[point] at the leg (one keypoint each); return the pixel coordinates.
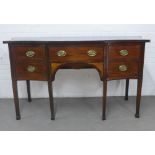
(126, 89)
(50, 90)
(104, 99)
(16, 99)
(139, 89)
(28, 90)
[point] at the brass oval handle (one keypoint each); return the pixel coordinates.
(123, 68)
(123, 52)
(31, 69)
(30, 53)
(91, 53)
(61, 53)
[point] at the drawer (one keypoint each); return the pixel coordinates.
(123, 69)
(28, 52)
(76, 54)
(125, 51)
(31, 71)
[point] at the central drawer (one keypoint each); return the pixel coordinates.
(76, 54)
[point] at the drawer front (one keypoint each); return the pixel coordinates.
(31, 71)
(76, 54)
(125, 51)
(28, 52)
(123, 69)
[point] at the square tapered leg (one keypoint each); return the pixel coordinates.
(126, 89)
(139, 89)
(16, 99)
(50, 90)
(28, 90)
(104, 99)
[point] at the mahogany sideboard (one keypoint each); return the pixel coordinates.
(40, 58)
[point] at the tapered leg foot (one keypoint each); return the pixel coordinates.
(103, 118)
(137, 115)
(29, 100)
(18, 117)
(104, 100)
(52, 117)
(126, 98)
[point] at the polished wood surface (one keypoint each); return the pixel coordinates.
(113, 69)
(22, 73)
(70, 39)
(134, 50)
(40, 59)
(19, 52)
(76, 54)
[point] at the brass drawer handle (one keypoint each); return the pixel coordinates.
(123, 52)
(61, 53)
(91, 53)
(31, 69)
(30, 54)
(123, 68)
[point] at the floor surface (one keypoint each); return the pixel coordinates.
(78, 114)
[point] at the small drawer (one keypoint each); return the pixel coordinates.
(124, 50)
(31, 71)
(76, 54)
(28, 52)
(123, 69)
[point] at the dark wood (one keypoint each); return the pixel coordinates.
(134, 50)
(47, 62)
(139, 82)
(71, 40)
(28, 90)
(76, 54)
(22, 73)
(50, 87)
(139, 89)
(19, 52)
(104, 99)
(127, 89)
(113, 69)
(14, 85)
(16, 99)
(50, 90)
